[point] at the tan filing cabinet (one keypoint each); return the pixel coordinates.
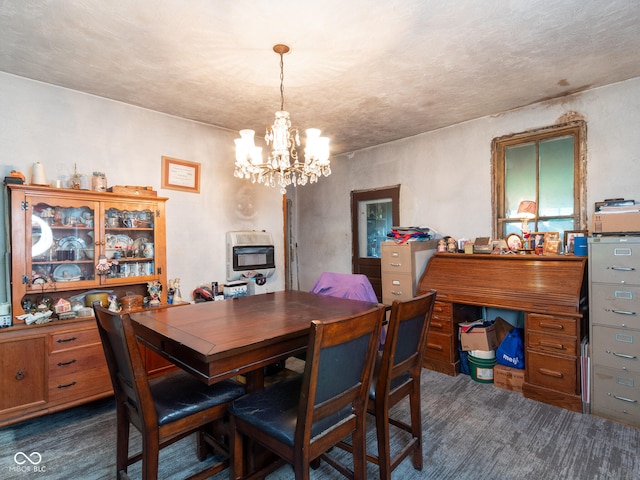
(614, 274)
(402, 265)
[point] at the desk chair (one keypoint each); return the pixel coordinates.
(301, 418)
(396, 376)
(163, 409)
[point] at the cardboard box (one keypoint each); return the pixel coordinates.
(474, 336)
(616, 222)
(508, 378)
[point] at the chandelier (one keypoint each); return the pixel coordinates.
(283, 167)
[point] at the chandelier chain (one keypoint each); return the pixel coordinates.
(281, 83)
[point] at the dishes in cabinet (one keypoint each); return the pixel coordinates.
(118, 241)
(138, 244)
(71, 243)
(67, 273)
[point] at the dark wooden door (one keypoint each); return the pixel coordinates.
(373, 214)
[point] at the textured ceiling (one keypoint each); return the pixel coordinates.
(365, 72)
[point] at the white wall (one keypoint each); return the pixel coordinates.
(61, 128)
(445, 175)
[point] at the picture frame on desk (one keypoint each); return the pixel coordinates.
(514, 242)
(569, 236)
(536, 239)
(551, 242)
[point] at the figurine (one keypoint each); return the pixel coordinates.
(452, 246)
(442, 246)
(154, 289)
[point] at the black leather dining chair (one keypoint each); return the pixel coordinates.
(163, 409)
(396, 376)
(299, 419)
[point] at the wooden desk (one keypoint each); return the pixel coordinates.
(218, 340)
(549, 289)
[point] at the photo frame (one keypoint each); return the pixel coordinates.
(180, 175)
(514, 242)
(535, 239)
(551, 243)
(569, 236)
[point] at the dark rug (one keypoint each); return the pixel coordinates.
(471, 431)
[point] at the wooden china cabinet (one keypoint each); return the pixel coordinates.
(58, 237)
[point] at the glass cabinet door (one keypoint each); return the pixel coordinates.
(129, 241)
(62, 236)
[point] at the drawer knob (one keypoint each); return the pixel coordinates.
(623, 355)
(551, 326)
(394, 292)
(623, 269)
(623, 312)
(395, 264)
(19, 375)
(550, 373)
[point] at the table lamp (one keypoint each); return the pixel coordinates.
(526, 211)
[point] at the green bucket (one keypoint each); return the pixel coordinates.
(481, 369)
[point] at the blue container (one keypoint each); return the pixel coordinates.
(580, 246)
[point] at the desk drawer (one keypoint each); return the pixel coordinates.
(615, 305)
(552, 372)
(616, 348)
(552, 343)
(551, 324)
(439, 348)
(616, 395)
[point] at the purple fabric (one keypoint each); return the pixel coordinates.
(345, 285)
(353, 286)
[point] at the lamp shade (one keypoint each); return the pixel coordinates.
(527, 209)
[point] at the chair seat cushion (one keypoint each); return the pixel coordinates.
(179, 394)
(274, 410)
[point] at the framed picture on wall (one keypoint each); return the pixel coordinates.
(180, 175)
(569, 236)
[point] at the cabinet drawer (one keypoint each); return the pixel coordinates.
(616, 348)
(75, 360)
(615, 263)
(615, 305)
(80, 384)
(551, 324)
(443, 309)
(552, 343)
(616, 395)
(439, 348)
(552, 372)
(395, 258)
(74, 339)
(397, 286)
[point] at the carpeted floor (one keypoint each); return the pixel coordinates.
(471, 431)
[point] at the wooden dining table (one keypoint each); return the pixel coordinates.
(222, 339)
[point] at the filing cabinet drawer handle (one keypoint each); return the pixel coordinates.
(550, 373)
(623, 312)
(64, 364)
(395, 264)
(552, 326)
(66, 340)
(624, 399)
(557, 346)
(623, 269)
(623, 355)
(395, 292)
